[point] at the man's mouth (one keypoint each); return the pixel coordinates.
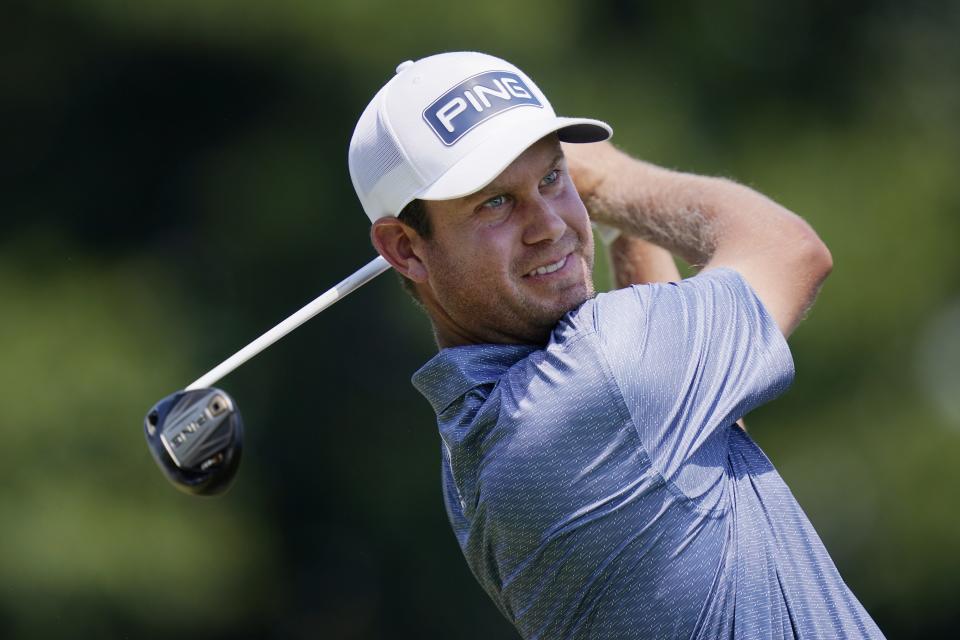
(549, 268)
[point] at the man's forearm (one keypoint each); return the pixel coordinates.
(709, 222)
(637, 261)
(661, 206)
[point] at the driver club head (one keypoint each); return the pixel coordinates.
(196, 438)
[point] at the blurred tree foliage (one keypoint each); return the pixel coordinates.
(174, 182)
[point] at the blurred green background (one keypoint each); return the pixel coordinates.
(174, 182)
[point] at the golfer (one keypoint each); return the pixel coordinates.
(594, 471)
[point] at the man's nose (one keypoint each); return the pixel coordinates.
(543, 222)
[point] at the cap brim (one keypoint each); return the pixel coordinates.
(479, 167)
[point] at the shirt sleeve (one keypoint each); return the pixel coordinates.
(691, 358)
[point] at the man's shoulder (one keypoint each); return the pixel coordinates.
(622, 305)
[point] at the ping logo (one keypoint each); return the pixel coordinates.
(475, 100)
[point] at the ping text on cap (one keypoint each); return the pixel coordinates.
(475, 100)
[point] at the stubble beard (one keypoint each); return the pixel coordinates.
(514, 316)
(568, 298)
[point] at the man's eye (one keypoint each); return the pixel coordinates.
(551, 177)
(494, 202)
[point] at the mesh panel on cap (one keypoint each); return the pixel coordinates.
(376, 157)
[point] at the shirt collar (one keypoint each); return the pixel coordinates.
(456, 370)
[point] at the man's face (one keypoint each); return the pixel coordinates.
(506, 263)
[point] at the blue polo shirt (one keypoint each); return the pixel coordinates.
(599, 487)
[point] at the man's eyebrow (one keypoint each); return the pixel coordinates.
(494, 188)
(557, 158)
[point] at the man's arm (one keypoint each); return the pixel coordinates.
(707, 221)
(636, 261)
(633, 260)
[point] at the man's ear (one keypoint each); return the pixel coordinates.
(401, 246)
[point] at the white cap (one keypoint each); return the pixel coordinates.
(446, 126)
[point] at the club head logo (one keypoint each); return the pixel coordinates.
(476, 100)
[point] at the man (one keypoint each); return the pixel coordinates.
(593, 470)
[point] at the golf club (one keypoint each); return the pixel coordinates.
(196, 435)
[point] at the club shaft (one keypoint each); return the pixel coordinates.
(349, 284)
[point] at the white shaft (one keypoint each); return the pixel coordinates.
(352, 282)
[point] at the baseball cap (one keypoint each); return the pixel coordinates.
(446, 125)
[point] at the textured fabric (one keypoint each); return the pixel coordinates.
(599, 487)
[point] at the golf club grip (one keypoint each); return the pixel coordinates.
(349, 284)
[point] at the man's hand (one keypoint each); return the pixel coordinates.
(710, 222)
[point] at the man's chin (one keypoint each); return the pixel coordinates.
(577, 295)
(570, 300)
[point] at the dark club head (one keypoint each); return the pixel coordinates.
(196, 437)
